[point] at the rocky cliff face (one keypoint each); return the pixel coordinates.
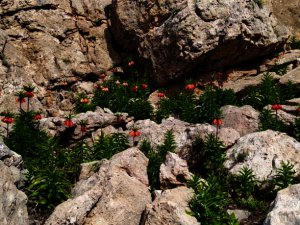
(53, 44)
(179, 36)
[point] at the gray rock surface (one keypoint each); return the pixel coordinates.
(13, 208)
(174, 172)
(264, 152)
(116, 194)
(286, 207)
(243, 119)
(177, 36)
(170, 208)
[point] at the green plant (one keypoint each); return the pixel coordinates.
(280, 69)
(82, 103)
(269, 121)
(285, 176)
(209, 202)
(156, 158)
(246, 183)
(209, 156)
(48, 186)
(295, 43)
(109, 145)
(296, 130)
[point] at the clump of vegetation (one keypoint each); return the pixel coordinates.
(295, 43)
(285, 176)
(156, 158)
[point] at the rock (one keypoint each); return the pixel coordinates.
(178, 36)
(286, 207)
(239, 214)
(292, 76)
(89, 169)
(53, 44)
(13, 209)
(173, 172)
(184, 133)
(117, 194)
(240, 84)
(243, 119)
(264, 152)
(171, 208)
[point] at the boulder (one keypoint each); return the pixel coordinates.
(179, 36)
(293, 76)
(184, 133)
(13, 208)
(173, 172)
(170, 208)
(285, 208)
(243, 119)
(53, 44)
(116, 194)
(263, 152)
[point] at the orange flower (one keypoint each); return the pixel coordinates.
(37, 117)
(104, 89)
(161, 94)
(84, 100)
(125, 84)
(144, 86)
(190, 87)
(276, 107)
(217, 122)
(69, 123)
(135, 88)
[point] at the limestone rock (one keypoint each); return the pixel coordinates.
(286, 207)
(13, 209)
(117, 194)
(264, 152)
(244, 119)
(173, 172)
(293, 76)
(178, 36)
(53, 44)
(170, 208)
(239, 213)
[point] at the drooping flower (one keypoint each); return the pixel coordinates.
(125, 84)
(144, 86)
(84, 100)
(102, 76)
(276, 107)
(104, 89)
(37, 116)
(161, 94)
(69, 122)
(217, 122)
(83, 125)
(135, 88)
(189, 87)
(29, 88)
(131, 63)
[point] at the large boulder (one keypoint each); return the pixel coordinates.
(174, 172)
(263, 152)
(177, 36)
(13, 208)
(244, 119)
(53, 44)
(171, 208)
(115, 194)
(286, 207)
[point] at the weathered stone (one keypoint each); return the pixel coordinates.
(177, 36)
(263, 153)
(173, 172)
(170, 208)
(13, 209)
(244, 119)
(117, 194)
(239, 214)
(292, 76)
(286, 207)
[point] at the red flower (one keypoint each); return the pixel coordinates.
(83, 128)
(131, 63)
(190, 87)
(134, 133)
(102, 76)
(298, 110)
(21, 100)
(84, 100)
(217, 122)
(144, 86)
(37, 117)
(7, 120)
(125, 84)
(69, 123)
(161, 94)
(104, 89)
(135, 88)
(29, 94)
(276, 107)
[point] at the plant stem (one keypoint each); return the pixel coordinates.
(7, 130)
(28, 104)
